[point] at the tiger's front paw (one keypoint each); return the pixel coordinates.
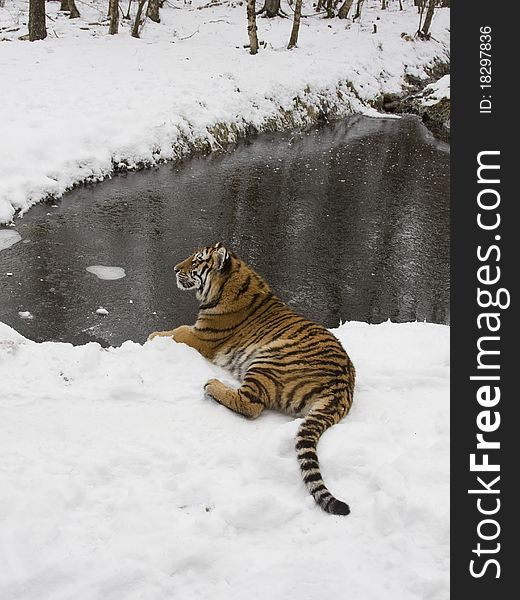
(213, 386)
(159, 334)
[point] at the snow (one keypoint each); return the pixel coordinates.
(82, 103)
(108, 273)
(436, 91)
(8, 238)
(25, 314)
(119, 480)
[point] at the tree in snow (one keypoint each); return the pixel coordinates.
(152, 12)
(113, 13)
(421, 4)
(296, 24)
(137, 22)
(270, 9)
(344, 9)
(329, 7)
(37, 28)
(74, 12)
(126, 17)
(359, 6)
(425, 31)
(251, 27)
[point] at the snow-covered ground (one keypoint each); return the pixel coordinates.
(436, 91)
(81, 103)
(120, 481)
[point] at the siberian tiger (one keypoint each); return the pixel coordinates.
(283, 361)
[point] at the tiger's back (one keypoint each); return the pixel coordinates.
(283, 361)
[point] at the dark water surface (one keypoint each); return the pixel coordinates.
(347, 222)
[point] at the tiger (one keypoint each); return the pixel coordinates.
(282, 360)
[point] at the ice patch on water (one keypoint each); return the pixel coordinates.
(8, 238)
(110, 273)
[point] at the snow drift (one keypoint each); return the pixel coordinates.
(119, 480)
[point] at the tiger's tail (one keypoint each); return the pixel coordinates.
(323, 415)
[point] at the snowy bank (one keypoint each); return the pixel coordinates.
(431, 103)
(119, 480)
(434, 92)
(82, 103)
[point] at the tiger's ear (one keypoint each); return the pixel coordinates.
(221, 256)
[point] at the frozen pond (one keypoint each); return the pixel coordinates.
(347, 222)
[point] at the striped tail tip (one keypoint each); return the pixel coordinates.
(331, 505)
(338, 508)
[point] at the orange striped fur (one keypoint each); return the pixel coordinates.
(283, 361)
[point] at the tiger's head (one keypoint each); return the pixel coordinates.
(198, 270)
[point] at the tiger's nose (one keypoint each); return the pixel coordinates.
(176, 269)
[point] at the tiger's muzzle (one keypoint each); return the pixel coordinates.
(184, 280)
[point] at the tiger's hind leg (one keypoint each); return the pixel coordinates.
(242, 401)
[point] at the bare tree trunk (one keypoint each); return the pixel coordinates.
(37, 28)
(359, 6)
(137, 22)
(251, 27)
(428, 19)
(421, 13)
(64, 5)
(330, 9)
(383, 4)
(296, 24)
(270, 9)
(113, 12)
(127, 16)
(74, 12)
(152, 12)
(400, 4)
(344, 9)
